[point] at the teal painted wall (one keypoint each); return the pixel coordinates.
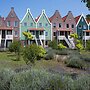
(89, 26)
(44, 20)
(84, 26)
(28, 19)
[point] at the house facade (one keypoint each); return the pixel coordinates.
(63, 27)
(6, 34)
(82, 27)
(40, 28)
(13, 21)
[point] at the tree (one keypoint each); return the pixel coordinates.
(28, 36)
(32, 53)
(88, 17)
(15, 47)
(87, 2)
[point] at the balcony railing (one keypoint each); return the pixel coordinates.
(9, 37)
(86, 37)
(42, 37)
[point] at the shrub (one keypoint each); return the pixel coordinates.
(74, 61)
(15, 46)
(5, 78)
(61, 46)
(82, 83)
(62, 52)
(32, 53)
(88, 45)
(53, 44)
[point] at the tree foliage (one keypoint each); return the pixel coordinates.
(87, 2)
(61, 46)
(32, 53)
(77, 42)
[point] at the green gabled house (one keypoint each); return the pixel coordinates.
(43, 22)
(81, 26)
(40, 28)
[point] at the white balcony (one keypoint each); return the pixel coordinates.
(9, 37)
(61, 37)
(42, 37)
(86, 37)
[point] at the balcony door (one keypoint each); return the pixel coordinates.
(3, 34)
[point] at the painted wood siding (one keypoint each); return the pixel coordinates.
(83, 25)
(27, 19)
(44, 20)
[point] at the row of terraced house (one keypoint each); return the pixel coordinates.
(43, 28)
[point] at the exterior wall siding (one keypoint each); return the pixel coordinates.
(80, 29)
(44, 20)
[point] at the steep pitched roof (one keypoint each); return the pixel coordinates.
(64, 18)
(37, 18)
(54, 15)
(77, 18)
(12, 14)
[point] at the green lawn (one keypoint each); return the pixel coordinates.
(7, 60)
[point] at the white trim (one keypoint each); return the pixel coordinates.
(80, 19)
(28, 11)
(20, 32)
(51, 32)
(43, 12)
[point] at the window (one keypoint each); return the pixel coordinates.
(67, 25)
(84, 27)
(16, 33)
(72, 25)
(61, 33)
(82, 19)
(80, 26)
(46, 34)
(9, 32)
(46, 24)
(54, 33)
(31, 24)
(41, 32)
(40, 24)
(87, 33)
(60, 25)
(8, 23)
(15, 24)
(54, 25)
(25, 24)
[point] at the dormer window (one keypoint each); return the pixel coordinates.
(8, 23)
(84, 27)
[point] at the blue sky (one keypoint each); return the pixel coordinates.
(36, 6)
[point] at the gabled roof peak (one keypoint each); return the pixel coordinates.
(43, 11)
(12, 8)
(28, 9)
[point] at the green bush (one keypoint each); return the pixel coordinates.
(82, 83)
(74, 61)
(53, 44)
(32, 53)
(5, 78)
(61, 46)
(88, 45)
(62, 52)
(41, 79)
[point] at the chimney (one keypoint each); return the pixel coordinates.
(12, 8)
